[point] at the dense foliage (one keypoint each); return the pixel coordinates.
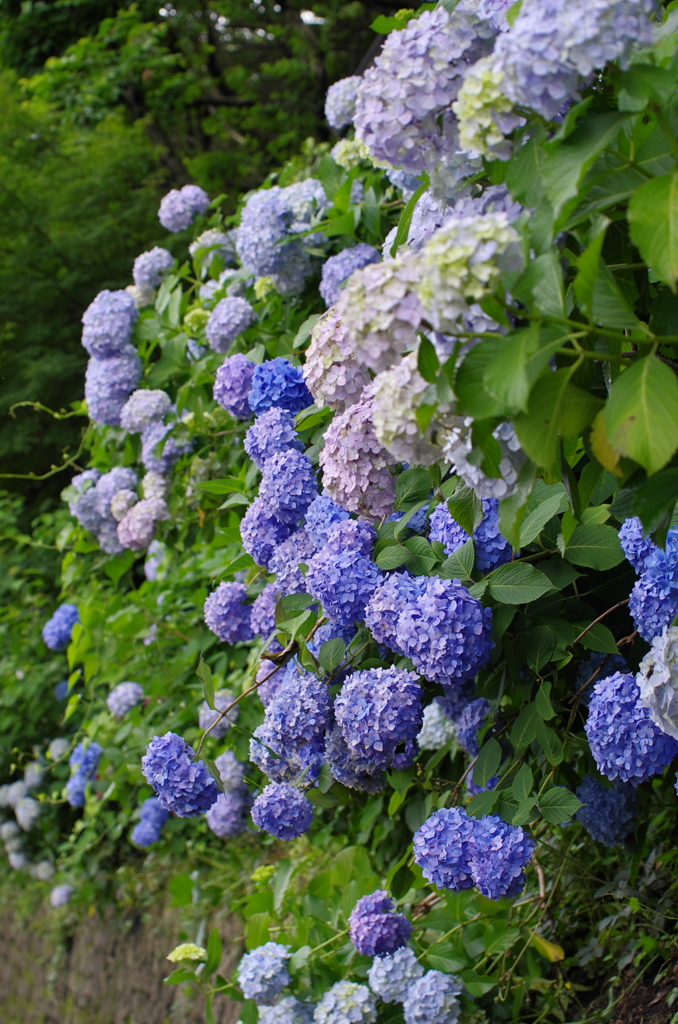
(369, 581)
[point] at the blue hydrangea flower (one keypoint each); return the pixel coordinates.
(61, 895)
(120, 478)
(271, 678)
(282, 811)
(321, 514)
(227, 615)
(108, 322)
(343, 582)
(84, 762)
(471, 719)
(609, 812)
(432, 999)
(150, 267)
(293, 729)
(263, 973)
(416, 523)
(285, 560)
(337, 269)
(57, 631)
(352, 771)
(211, 718)
(442, 848)
(639, 549)
(179, 207)
(499, 855)
(446, 632)
(181, 784)
(340, 102)
(231, 771)
(270, 434)
(376, 931)
(262, 531)
(351, 535)
(61, 690)
(278, 383)
(229, 318)
(233, 384)
(608, 664)
(109, 383)
(624, 741)
(288, 485)
(386, 603)
(153, 818)
(379, 711)
(287, 1010)
(347, 1002)
(227, 817)
(152, 436)
(331, 631)
(390, 976)
(124, 697)
(654, 598)
(262, 619)
(84, 506)
(491, 548)
(143, 408)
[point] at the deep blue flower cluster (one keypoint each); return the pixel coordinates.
(291, 738)
(342, 577)
(471, 719)
(625, 742)
(299, 548)
(390, 976)
(337, 269)
(150, 267)
(272, 433)
(124, 697)
(278, 383)
(379, 712)
(609, 812)
(349, 768)
(639, 549)
(271, 678)
(262, 619)
(456, 852)
(227, 615)
(384, 606)
(282, 811)
(179, 207)
(153, 818)
(654, 598)
(84, 762)
(432, 999)
(263, 973)
(491, 547)
(57, 631)
(288, 486)
(182, 785)
(229, 318)
(321, 514)
(606, 664)
(233, 385)
(374, 927)
(262, 532)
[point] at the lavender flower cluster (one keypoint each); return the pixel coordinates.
(114, 368)
(227, 817)
(84, 762)
(149, 829)
(124, 697)
(374, 928)
(57, 631)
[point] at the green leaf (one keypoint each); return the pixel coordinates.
(406, 218)
(243, 561)
(304, 332)
(393, 556)
(413, 486)
(226, 485)
(209, 1009)
(459, 565)
(401, 527)
(428, 363)
(179, 976)
(280, 882)
(214, 952)
(641, 414)
(558, 805)
(488, 761)
(598, 638)
(181, 888)
(71, 706)
(401, 882)
(292, 603)
(596, 547)
(588, 265)
(653, 219)
(331, 654)
(466, 508)
(506, 376)
(483, 803)
(609, 307)
(257, 929)
(524, 728)
(543, 701)
(204, 673)
(543, 283)
(556, 407)
(115, 568)
(550, 743)
(539, 646)
(645, 82)
(522, 784)
(536, 520)
(525, 810)
(518, 583)
(477, 984)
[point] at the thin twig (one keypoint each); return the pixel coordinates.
(600, 618)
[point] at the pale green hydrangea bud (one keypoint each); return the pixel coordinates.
(263, 286)
(485, 113)
(195, 320)
(187, 951)
(349, 153)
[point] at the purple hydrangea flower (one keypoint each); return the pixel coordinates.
(348, 768)
(416, 523)
(108, 322)
(351, 535)
(609, 813)
(179, 207)
(229, 318)
(625, 742)
(299, 548)
(206, 716)
(84, 506)
(124, 697)
(57, 631)
(390, 976)
(340, 101)
(293, 728)
(263, 611)
(288, 485)
(337, 269)
(227, 817)
(334, 377)
(153, 818)
(654, 598)
(379, 711)
(231, 771)
(442, 848)
(227, 615)
(61, 895)
(270, 434)
(346, 1002)
(282, 811)
(120, 478)
(469, 722)
(386, 603)
(343, 581)
(262, 531)
(143, 408)
(446, 632)
(500, 853)
(263, 973)
(321, 514)
(233, 385)
(278, 383)
(136, 529)
(639, 549)
(491, 547)
(109, 383)
(432, 999)
(150, 267)
(377, 930)
(271, 678)
(181, 784)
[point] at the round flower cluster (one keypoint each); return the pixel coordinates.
(432, 999)
(270, 434)
(57, 631)
(282, 811)
(207, 717)
(602, 665)
(161, 459)
(437, 728)
(263, 973)
(342, 578)
(277, 382)
(214, 242)
(288, 485)
(658, 681)
(625, 742)
(144, 408)
(270, 678)
(150, 267)
(654, 598)
(27, 812)
(485, 113)
(609, 812)
(332, 375)
(471, 719)
(229, 318)
(386, 603)
(290, 739)
(61, 895)
(227, 615)
(285, 561)
(153, 818)
(109, 383)
(179, 207)
(181, 784)
(375, 929)
(456, 852)
(124, 697)
(390, 976)
(337, 269)
(287, 1010)
(227, 817)
(262, 532)
(346, 1003)
(640, 550)
(122, 502)
(108, 323)
(233, 385)
(340, 101)
(262, 620)
(491, 548)
(137, 528)
(84, 762)
(398, 393)
(379, 712)
(321, 515)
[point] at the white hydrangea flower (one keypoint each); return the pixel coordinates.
(43, 871)
(457, 445)
(658, 681)
(155, 485)
(346, 1003)
(332, 375)
(436, 730)
(27, 812)
(142, 295)
(33, 774)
